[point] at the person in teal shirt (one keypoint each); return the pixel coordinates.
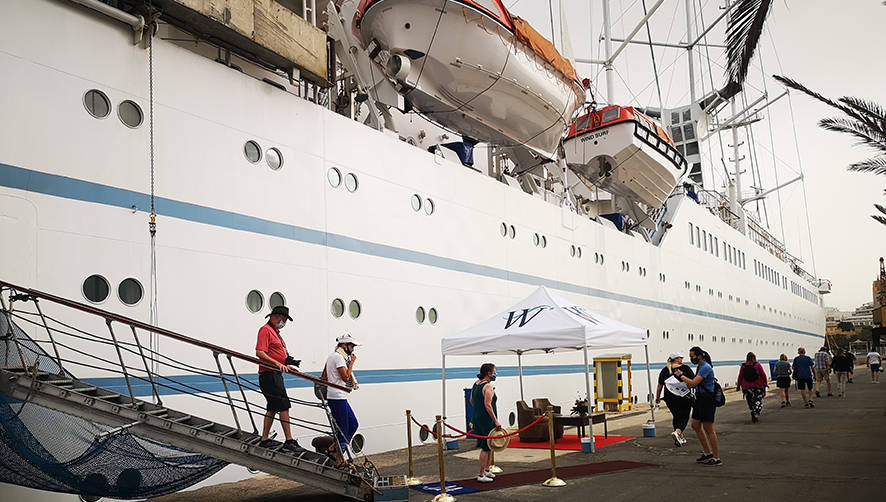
(485, 417)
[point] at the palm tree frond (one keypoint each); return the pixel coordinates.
(866, 107)
(876, 165)
(743, 33)
(865, 135)
(793, 84)
(879, 218)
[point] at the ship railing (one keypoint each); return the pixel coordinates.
(111, 349)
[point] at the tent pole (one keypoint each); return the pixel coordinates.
(520, 371)
(649, 383)
(588, 396)
(444, 387)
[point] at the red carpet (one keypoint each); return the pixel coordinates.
(506, 480)
(568, 442)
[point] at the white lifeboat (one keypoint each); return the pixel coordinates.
(625, 153)
(472, 67)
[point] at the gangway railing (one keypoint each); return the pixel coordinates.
(45, 377)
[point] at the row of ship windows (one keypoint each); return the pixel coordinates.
(666, 335)
(255, 301)
(737, 299)
(335, 178)
(711, 244)
(97, 289)
(253, 153)
(98, 105)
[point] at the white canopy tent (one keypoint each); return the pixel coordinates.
(544, 322)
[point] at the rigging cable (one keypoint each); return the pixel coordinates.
(154, 339)
(654, 66)
(774, 159)
(707, 56)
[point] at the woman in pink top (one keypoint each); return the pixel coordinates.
(752, 381)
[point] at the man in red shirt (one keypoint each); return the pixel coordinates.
(271, 349)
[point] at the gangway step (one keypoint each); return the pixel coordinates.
(183, 430)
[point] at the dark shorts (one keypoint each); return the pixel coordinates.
(875, 367)
(271, 383)
(804, 383)
(783, 382)
(704, 408)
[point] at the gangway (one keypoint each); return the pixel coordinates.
(42, 379)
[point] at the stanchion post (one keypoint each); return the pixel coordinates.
(411, 480)
(443, 497)
(554, 481)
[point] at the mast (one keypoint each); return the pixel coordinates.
(735, 183)
(607, 47)
(690, 35)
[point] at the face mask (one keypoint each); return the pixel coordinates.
(695, 360)
(281, 324)
(492, 378)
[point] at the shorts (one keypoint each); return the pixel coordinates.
(822, 375)
(804, 383)
(783, 382)
(704, 408)
(271, 384)
(875, 367)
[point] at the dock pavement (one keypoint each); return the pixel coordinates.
(833, 451)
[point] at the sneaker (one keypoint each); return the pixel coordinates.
(713, 461)
(789, 404)
(754, 418)
(704, 457)
(268, 443)
(811, 404)
(485, 478)
(676, 438)
(489, 474)
(783, 404)
(850, 380)
(817, 394)
(292, 445)
(683, 441)
(806, 405)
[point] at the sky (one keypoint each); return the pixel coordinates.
(831, 47)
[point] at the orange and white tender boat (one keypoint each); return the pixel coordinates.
(625, 153)
(473, 67)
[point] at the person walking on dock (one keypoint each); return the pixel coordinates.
(484, 417)
(677, 396)
(841, 365)
(340, 371)
(271, 350)
(705, 405)
(783, 379)
(851, 357)
(873, 360)
(822, 370)
(753, 382)
(802, 367)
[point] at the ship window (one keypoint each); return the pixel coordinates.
(691, 235)
(544, 241)
(692, 148)
(338, 307)
(334, 177)
(130, 114)
(503, 229)
(675, 117)
(96, 288)
(420, 315)
(354, 309)
(429, 206)
(704, 239)
(274, 158)
(535, 239)
(697, 237)
(572, 250)
(254, 301)
(512, 231)
(687, 115)
(351, 182)
(677, 134)
(130, 291)
(611, 114)
(276, 300)
(432, 315)
(578, 252)
(416, 202)
(97, 103)
(583, 123)
(252, 151)
(717, 247)
(689, 132)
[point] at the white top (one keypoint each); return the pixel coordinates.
(873, 357)
(334, 362)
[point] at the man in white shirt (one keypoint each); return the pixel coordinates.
(874, 360)
(340, 370)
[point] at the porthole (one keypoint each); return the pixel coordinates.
(130, 114)
(536, 239)
(96, 288)
(254, 301)
(420, 315)
(354, 309)
(512, 418)
(596, 257)
(333, 175)
(544, 241)
(274, 158)
(572, 250)
(97, 103)
(276, 300)
(578, 251)
(357, 443)
(416, 202)
(602, 258)
(338, 308)
(512, 231)
(503, 229)
(252, 151)
(429, 206)
(432, 316)
(423, 433)
(130, 291)
(351, 182)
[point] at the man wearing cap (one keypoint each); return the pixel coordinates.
(340, 370)
(271, 349)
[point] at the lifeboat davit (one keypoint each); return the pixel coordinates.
(625, 153)
(473, 67)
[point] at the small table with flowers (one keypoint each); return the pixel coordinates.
(581, 421)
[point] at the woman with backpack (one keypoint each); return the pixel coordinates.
(752, 381)
(705, 406)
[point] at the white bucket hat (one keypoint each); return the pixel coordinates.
(674, 355)
(346, 338)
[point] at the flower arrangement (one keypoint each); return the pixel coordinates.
(580, 407)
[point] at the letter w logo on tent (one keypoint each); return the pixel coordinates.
(525, 316)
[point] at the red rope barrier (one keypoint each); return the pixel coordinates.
(463, 433)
